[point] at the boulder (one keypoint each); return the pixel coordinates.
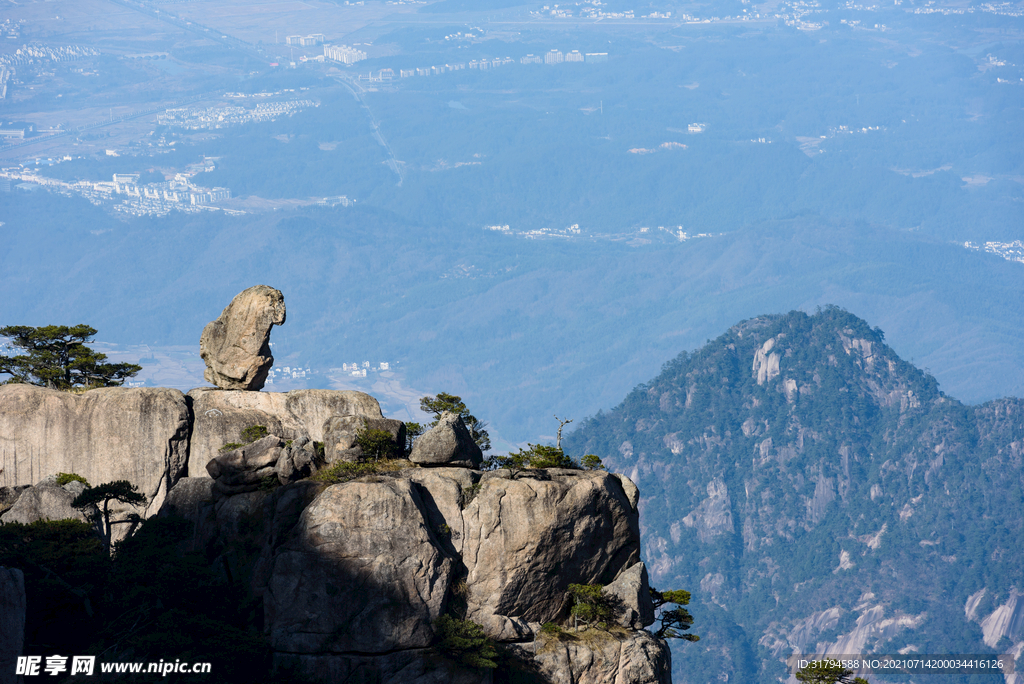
(524, 541)
(340, 436)
(12, 622)
(630, 595)
(9, 495)
(236, 346)
(43, 502)
(527, 539)
(187, 497)
(221, 415)
(244, 469)
(447, 444)
(114, 433)
(598, 657)
(299, 461)
(363, 572)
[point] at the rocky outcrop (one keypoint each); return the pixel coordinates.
(9, 496)
(572, 527)
(12, 622)
(340, 434)
(187, 497)
(221, 415)
(630, 595)
(261, 464)
(447, 444)
(138, 434)
(364, 572)
(354, 575)
(597, 657)
(45, 501)
(243, 469)
(236, 346)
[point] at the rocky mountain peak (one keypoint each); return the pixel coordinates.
(810, 465)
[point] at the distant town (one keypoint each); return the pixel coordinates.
(195, 119)
(351, 370)
(151, 199)
(1011, 251)
(574, 231)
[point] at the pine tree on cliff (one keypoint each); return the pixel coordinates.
(454, 404)
(56, 356)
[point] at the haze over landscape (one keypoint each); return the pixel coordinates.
(539, 207)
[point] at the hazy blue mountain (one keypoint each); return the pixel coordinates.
(814, 490)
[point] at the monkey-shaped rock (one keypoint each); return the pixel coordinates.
(236, 346)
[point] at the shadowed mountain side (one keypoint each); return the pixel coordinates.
(567, 324)
(836, 498)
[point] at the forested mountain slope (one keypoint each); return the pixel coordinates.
(815, 491)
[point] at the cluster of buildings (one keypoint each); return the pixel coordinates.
(28, 54)
(591, 9)
(312, 40)
(556, 57)
(343, 53)
(11, 30)
(340, 200)
(221, 117)
(574, 231)
(1011, 251)
(680, 234)
(550, 57)
(1003, 8)
(568, 232)
(356, 370)
(286, 373)
(150, 199)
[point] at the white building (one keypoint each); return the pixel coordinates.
(343, 54)
(554, 57)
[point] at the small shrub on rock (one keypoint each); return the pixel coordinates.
(378, 445)
(551, 629)
(590, 607)
(465, 642)
(65, 478)
(248, 435)
(254, 433)
(344, 471)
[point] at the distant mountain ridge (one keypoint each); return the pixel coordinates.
(816, 492)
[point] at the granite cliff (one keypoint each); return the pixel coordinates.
(350, 578)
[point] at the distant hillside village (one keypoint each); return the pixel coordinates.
(157, 199)
(354, 370)
(350, 54)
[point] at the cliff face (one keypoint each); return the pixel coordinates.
(839, 502)
(354, 575)
(140, 435)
